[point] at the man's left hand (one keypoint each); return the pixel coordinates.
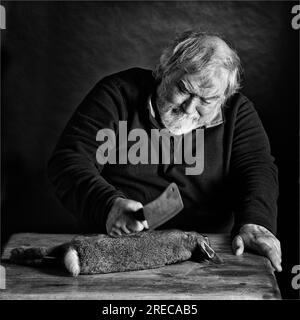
(260, 240)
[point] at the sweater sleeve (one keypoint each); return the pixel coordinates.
(73, 168)
(253, 172)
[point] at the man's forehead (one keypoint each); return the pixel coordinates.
(205, 85)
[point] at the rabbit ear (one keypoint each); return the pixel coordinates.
(208, 251)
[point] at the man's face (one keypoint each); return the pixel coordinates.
(186, 102)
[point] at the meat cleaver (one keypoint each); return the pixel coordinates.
(162, 209)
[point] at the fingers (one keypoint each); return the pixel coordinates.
(238, 245)
(128, 226)
(124, 229)
(273, 253)
(121, 219)
(261, 240)
(145, 224)
(133, 205)
(278, 247)
(136, 226)
(115, 232)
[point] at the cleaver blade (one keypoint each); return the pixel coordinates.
(162, 209)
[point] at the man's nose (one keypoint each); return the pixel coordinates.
(189, 106)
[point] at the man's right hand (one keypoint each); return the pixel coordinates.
(120, 219)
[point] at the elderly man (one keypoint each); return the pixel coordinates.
(195, 87)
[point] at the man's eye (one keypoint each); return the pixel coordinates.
(205, 102)
(181, 87)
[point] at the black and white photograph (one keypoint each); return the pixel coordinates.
(150, 153)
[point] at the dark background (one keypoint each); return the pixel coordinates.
(53, 53)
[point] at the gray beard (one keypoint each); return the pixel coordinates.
(178, 122)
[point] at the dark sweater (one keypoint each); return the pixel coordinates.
(239, 175)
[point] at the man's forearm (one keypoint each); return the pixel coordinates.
(254, 176)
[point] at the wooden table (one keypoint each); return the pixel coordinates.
(245, 277)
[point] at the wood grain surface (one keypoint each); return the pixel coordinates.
(245, 277)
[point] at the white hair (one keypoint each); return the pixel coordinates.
(198, 52)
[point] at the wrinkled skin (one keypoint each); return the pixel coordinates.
(261, 241)
(121, 220)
